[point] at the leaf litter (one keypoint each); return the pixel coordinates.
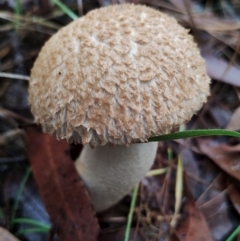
(61, 188)
(5, 235)
(234, 195)
(225, 156)
(207, 205)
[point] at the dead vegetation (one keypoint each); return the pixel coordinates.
(195, 196)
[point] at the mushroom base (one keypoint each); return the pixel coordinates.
(109, 173)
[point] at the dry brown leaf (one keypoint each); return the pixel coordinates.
(212, 206)
(213, 190)
(5, 235)
(211, 23)
(205, 20)
(216, 213)
(234, 123)
(118, 235)
(234, 196)
(225, 156)
(229, 38)
(220, 115)
(194, 226)
(178, 4)
(61, 188)
(162, 4)
(220, 70)
(197, 228)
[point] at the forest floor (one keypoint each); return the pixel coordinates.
(196, 194)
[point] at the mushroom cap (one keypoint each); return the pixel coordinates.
(118, 75)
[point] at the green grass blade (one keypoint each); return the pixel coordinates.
(170, 153)
(65, 9)
(130, 214)
(30, 222)
(178, 192)
(234, 234)
(22, 184)
(25, 21)
(17, 11)
(194, 133)
(17, 8)
(156, 172)
(32, 230)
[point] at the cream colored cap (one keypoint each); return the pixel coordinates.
(120, 74)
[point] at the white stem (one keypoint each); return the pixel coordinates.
(109, 173)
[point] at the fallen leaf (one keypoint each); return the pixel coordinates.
(220, 115)
(225, 156)
(212, 206)
(234, 196)
(61, 188)
(213, 190)
(118, 235)
(5, 235)
(234, 123)
(179, 4)
(197, 228)
(227, 37)
(212, 23)
(216, 212)
(221, 70)
(194, 226)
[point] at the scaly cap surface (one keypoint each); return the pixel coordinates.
(120, 74)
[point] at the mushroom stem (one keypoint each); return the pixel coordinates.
(109, 173)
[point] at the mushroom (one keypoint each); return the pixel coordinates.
(110, 80)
